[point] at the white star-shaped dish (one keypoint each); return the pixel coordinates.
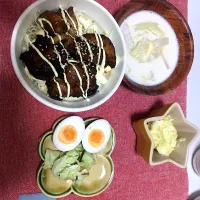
(145, 142)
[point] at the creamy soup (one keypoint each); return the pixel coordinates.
(152, 46)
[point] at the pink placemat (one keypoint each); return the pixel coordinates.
(23, 120)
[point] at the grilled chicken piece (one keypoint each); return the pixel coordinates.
(46, 48)
(64, 38)
(71, 21)
(53, 88)
(66, 47)
(37, 66)
(93, 82)
(108, 47)
(84, 54)
(70, 45)
(74, 82)
(55, 20)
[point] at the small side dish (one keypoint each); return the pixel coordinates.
(67, 55)
(165, 136)
(76, 158)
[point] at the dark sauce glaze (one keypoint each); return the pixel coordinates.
(67, 61)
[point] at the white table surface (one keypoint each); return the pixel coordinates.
(193, 97)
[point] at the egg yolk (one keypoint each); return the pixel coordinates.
(67, 134)
(96, 138)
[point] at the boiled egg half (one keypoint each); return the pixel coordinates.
(97, 135)
(69, 133)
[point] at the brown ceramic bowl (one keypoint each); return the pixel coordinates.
(145, 143)
(183, 34)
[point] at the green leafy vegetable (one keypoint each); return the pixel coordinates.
(87, 160)
(68, 159)
(59, 165)
(70, 172)
(71, 165)
(79, 148)
(72, 157)
(50, 158)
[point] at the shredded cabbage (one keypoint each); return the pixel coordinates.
(87, 160)
(66, 160)
(33, 30)
(69, 165)
(86, 24)
(50, 158)
(145, 48)
(79, 148)
(70, 173)
(59, 165)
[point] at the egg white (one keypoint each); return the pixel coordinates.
(78, 124)
(105, 127)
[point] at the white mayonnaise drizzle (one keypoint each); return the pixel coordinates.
(74, 24)
(100, 67)
(89, 48)
(47, 61)
(42, 25)
(66, 22)
(64, 17)
(103, 63)
(59, 37)
(59, 58)
(64, 12)
(84, 66)
(73, 61)
(63, 66)
(68, 85)
(59, 88)
(80, 79)
(98, 45)
(57, 53)
(41, 55)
